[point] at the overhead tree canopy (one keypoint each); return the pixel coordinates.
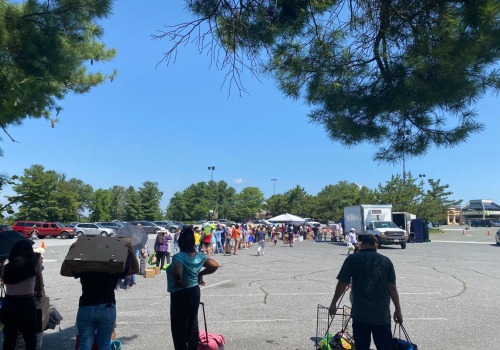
(400, 74)
(46, 48)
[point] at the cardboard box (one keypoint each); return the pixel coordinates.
(42, 313)
(98, 254)
(157, 270)
(150, 273)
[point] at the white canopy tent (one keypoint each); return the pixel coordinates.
(287, 218)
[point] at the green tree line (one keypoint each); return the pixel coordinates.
(47, 195)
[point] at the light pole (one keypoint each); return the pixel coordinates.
(421, 176)
(211, 212)
(274, 185)
(211, 168)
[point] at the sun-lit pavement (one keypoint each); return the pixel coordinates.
(448, 295)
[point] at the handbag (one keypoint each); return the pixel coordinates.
(402, 344)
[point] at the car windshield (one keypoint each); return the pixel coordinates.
(384, 224)
(99, 225)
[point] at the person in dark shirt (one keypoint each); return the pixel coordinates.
(373, 286)
(96, 315)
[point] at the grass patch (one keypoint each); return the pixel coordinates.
(435, 231)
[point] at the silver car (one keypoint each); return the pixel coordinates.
(148, 226)
(90, 229)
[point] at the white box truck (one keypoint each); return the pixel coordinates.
(375, 219)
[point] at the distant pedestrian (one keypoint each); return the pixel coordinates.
(261, 238)
(206, 237)
(34, 233)
(315, 231)
(197, 239)
(143, 259)
(236, 236)
(353, 240)
(176, 241)
(218, 239)
(162, 245)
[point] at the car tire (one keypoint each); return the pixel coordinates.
(104, 234)
(79, 234)
(378, 243)
(64, 235)
(403, 245)
(41, 236)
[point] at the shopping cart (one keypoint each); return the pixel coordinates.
(334, 332)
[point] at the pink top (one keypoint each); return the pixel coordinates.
(24, 287)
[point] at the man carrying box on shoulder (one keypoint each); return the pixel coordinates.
(96, 315)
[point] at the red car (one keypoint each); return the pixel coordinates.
(45, 229)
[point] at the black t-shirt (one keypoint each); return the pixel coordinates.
(371, 273)
(98, 287)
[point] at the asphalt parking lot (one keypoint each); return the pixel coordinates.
(448, 290)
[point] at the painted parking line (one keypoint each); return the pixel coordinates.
(433, 241)
(216, 284)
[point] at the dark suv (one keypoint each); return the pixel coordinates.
(481, 223)
(52, 229)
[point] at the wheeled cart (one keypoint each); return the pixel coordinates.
(334, 332)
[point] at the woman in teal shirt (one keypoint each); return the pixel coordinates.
(184, 276)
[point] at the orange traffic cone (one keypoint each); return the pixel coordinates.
(43, 244)
(489, 232)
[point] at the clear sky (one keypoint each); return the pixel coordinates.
(169, 123)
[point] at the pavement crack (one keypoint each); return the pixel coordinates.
(464, 285)
(265, 294)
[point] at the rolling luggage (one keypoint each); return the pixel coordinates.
(209, 341)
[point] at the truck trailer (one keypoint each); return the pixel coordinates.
(375, 219)
(403, 220)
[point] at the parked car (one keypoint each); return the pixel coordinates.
(178, 223)
(25, 227)
(497, 237)
(92, 229)
(481, 223)
(5, 228)
(45, 229)
(168, 225)
(495, 223)
(225, 222)
(148, 226)
(115, 225)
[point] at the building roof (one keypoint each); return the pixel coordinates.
(480, 204)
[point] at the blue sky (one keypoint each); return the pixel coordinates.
(169, 123)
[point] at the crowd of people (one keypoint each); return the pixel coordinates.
(185, 268)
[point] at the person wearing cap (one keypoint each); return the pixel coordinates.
(371, 295)
(34, 233)
(353, 239)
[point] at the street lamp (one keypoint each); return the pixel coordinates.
(274, 185)
(212, 168)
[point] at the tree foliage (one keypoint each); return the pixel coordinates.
(47, 195)
(248, 202)
(150, 197)
(332, 199)
(45, 49)
(400, 74)
(435, 201)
